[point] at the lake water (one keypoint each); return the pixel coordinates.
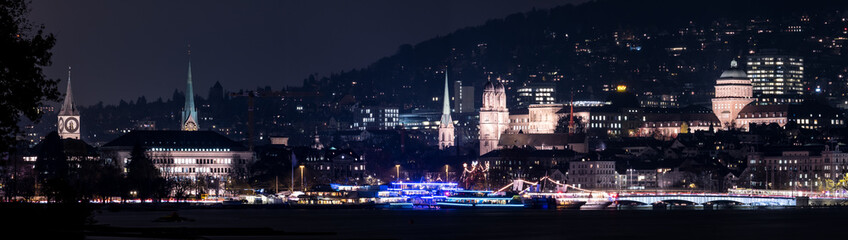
(504, 224)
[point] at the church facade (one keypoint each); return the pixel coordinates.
(494, 116)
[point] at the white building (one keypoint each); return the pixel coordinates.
(592, 174)
(733, 91)
(795, 167)
(183, 154)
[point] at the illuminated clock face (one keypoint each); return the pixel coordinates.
(61, 125)
(190, 126)
(72, 124)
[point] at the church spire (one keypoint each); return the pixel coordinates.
(446, 133)
(69, 106)
(189, 120)
(446, 111)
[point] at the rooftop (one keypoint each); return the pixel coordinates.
(176, 139)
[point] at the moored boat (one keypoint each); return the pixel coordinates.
(480, 199)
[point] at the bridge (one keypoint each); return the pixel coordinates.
(703, 199)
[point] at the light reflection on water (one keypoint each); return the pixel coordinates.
(501, 224)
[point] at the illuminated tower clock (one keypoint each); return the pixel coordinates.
(69, 119)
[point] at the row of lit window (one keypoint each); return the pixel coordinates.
(189, 149)
(196, 170)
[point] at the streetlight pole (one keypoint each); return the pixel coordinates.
(397, 167)
(302, 185)
(446, 173)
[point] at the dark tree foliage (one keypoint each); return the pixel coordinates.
(17, 175)
(52, 168)
(270, 170)
(143, 177)
(110, 181)
(25, 51)
(562, 124)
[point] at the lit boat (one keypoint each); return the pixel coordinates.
(480, 199)
(552, 201)
(424, 194)
(341, 196)
(571, 200)
(596, 204)
(392, 199)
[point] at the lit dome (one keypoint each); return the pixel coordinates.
(734, 72)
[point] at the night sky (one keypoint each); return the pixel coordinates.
(126, 49)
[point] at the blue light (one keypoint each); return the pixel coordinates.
(473, 191)
(478, 198)
(508, 205)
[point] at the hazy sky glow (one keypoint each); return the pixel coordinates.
(125, 49)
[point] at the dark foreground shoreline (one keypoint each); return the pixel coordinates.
(39, 221)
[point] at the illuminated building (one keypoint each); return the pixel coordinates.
(536, 93)
(545, 141)
(331, 165)
(183, 154)
(420, 119)
(619, 115)
(733, 91)
(446, 129)
(777, 79)
(69, 117)
(592, 174)
(494, 116)
(668, 123)
(795, 167)
(463, 98)
(650, 178)
(808, 115)
(376, 117)
(659, 101)
(527, 164)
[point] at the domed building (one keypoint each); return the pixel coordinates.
(733, 91)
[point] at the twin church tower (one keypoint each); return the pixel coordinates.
(69, 116)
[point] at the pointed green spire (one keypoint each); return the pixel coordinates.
(189, 120)
(446, 111)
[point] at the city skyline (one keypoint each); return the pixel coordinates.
(555, 118)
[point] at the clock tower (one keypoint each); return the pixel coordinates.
(69, 119)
